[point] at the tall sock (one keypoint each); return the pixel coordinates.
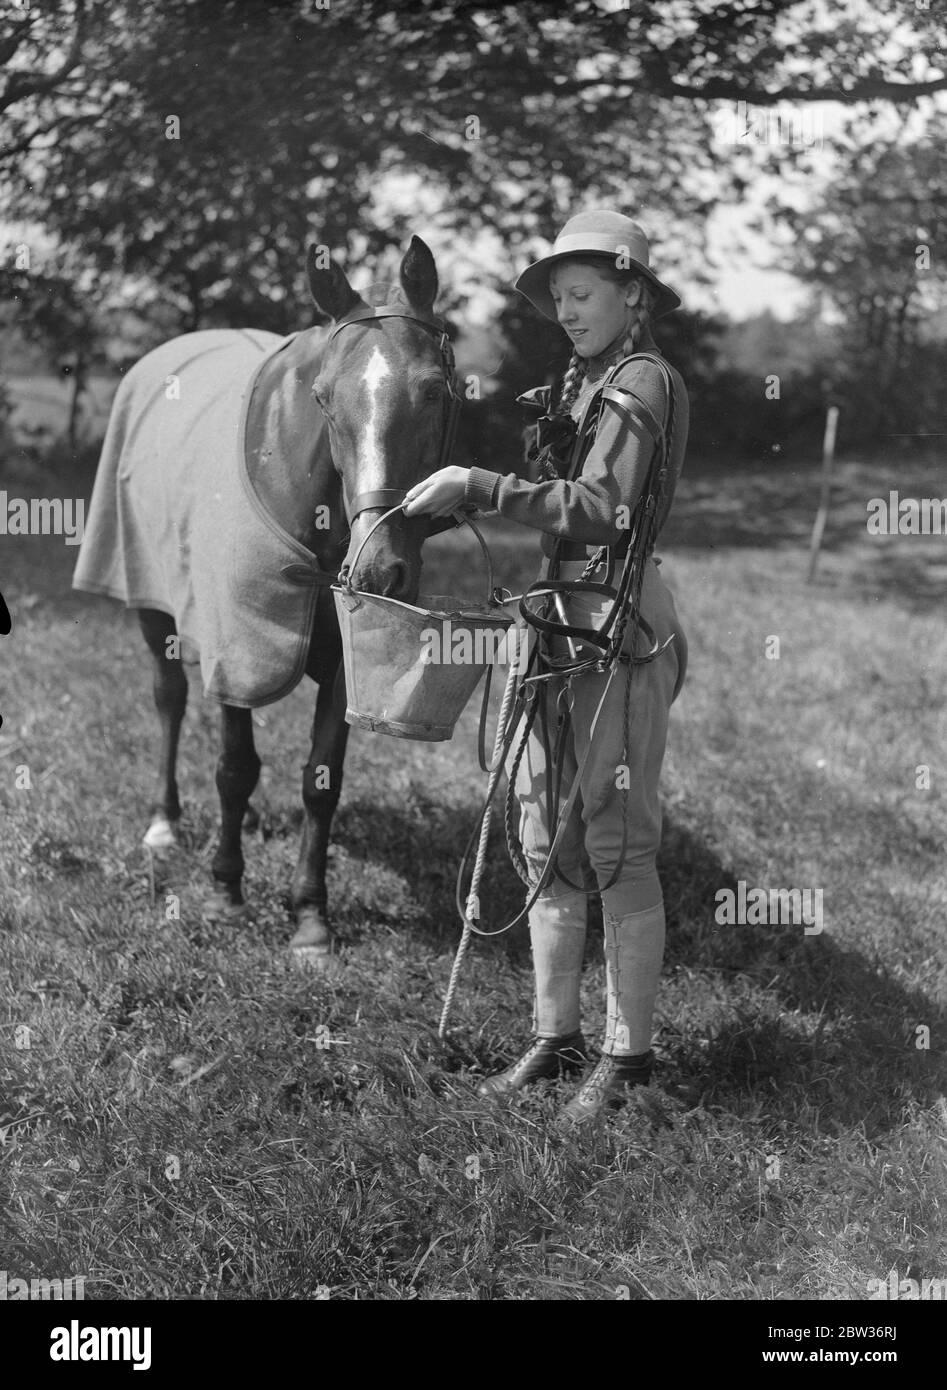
(557, 935)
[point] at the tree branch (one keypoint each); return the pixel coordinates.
(731, 88)
(865, 89)
(28, 84)
(58, 126)
(11, 42)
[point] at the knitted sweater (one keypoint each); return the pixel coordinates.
(612, 476)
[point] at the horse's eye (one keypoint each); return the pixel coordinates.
(319, 391)
(434, 393)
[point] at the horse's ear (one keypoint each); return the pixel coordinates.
(328, 284)
(419, 275)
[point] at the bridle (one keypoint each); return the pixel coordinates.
(384, 498)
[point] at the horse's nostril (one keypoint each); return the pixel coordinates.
(397, 580)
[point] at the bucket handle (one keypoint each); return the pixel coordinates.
(459, 516)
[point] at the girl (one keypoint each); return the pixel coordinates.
(598, 285)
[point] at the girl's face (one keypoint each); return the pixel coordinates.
(592, 309)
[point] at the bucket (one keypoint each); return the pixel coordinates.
(411, 669)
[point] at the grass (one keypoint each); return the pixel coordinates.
(196, 1118)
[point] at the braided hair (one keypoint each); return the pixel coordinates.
(576, 373)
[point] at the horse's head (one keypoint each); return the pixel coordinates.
(385, 387)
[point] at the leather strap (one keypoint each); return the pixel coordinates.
(382, 311)
(578, 550)
(381, 499)
(617, 394)
(597, 638)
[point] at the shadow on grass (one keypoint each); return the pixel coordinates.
(859, 1065)
(809, 1024)
(424, 843)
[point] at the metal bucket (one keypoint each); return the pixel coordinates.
(411, 669)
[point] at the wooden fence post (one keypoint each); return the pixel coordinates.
(828, 459)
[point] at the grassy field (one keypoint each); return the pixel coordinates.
(194, 1117)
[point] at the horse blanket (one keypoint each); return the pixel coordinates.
(176, 524)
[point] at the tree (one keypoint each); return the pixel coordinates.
(31, 48)
(54, 309)
(291, 116)
(871, 249)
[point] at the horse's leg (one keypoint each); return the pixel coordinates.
(238, 768)
(322, 785)
(170, 692)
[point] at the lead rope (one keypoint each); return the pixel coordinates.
(472, 911)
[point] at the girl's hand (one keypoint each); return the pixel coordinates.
(440, 494)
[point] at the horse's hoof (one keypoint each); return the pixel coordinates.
(161, 835)
(316, 958)
(219, 906)
(312, 944)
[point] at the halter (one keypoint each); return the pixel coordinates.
(384, 498)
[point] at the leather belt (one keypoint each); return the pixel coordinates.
(575, 550)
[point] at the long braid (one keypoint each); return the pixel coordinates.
(641, 317)
(547, 446)
(571, 383)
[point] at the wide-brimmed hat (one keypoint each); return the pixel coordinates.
(599, 232)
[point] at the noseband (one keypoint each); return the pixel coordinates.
(384, 498)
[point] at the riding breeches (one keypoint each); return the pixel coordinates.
(617, 800)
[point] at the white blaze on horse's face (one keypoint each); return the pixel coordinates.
(370, 454)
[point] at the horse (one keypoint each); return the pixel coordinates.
(238, 471)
